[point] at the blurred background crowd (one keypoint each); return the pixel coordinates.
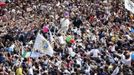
(101, 32)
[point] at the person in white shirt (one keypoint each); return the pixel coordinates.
(11, 48)
(61, 39)
(112, 47)
(126, 59)
(87, 70)
(71, 52)
(65, 22)
(128, 37)
(30, 71)
(94, 52)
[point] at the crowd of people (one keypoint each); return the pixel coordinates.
(102, 33)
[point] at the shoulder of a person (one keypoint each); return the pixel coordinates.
(62, 19)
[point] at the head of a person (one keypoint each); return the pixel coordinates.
(66, 14)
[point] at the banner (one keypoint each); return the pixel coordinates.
(129, 5)
(43, 45)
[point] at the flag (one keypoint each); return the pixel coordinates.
(35, 54)
(129, 5)
(132, 56)
(43, 45)
(45, 28)
(25, 54)
(116, 71)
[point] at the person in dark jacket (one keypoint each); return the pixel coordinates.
(77, 22)
(2, 59)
